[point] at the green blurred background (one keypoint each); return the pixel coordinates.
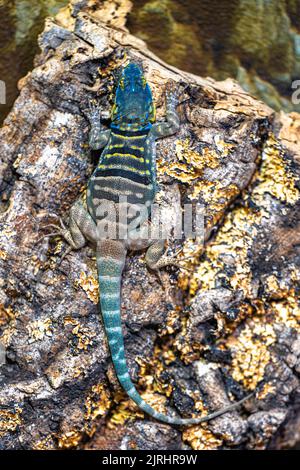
(255, 41)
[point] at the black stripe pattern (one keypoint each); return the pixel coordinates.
(124, 157)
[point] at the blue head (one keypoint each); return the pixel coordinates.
(133, 101)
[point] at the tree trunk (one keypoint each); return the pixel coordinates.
(227, 326)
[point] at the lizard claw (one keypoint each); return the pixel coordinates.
(61, 226)
(48, 235)
(172, 260)
(182, 258)
(92, 111)
(61, 231)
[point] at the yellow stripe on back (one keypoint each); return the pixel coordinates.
(126, 137)
(130, 155)
(118, 146)
(135, 147)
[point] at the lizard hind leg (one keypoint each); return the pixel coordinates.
(155, 255)
(156, 258)
(81, 228)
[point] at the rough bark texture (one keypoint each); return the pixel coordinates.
(227, 326)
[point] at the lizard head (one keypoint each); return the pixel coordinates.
(133, 100)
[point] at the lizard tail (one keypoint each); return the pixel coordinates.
(111, 260)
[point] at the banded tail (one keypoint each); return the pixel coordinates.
(111, 259)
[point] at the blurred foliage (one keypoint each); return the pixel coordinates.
(255, 41)
(21, 22)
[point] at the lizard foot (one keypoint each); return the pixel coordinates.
(55, 234)
(61, 223)
(61, 231)
(172, 260)
(48, 235)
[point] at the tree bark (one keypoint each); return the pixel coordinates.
(228, 325)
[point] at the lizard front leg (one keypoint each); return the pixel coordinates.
(172, 123)
(98, 136)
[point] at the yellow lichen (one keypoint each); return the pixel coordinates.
(172, 319)
(244, 310)
(224, 148)
(155, 400)
(250, 352)
(192, 250)
(69, 439)
(150, 372)
(84, 337)
(58, 247)
(17, 161)
(184, 346)
(125, 410)
(90, 285)
(10, 420)
(266, 390)
(68, 320)
(48, 443)
(6, 232)
(273, 289)
(97, 403)
(287, 311)
(234, 239)
(201, 438)
(216, 195)
(198, 161)
(39, 329)
(274, 177)
(190, 164)
(124, 413)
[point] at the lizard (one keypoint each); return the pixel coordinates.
(124, 181)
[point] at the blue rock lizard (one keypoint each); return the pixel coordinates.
(124, 182)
